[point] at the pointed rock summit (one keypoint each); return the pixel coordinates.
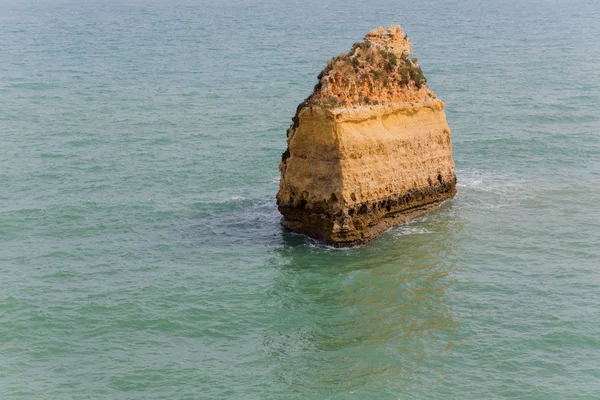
(369, 148)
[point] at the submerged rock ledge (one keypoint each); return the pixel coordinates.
(368, 149)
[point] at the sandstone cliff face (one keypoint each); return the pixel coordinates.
(368, 149)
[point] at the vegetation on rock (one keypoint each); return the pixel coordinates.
(374, 71)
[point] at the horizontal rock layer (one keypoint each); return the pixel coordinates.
(353, 173)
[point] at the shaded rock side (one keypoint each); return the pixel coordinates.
(368, 149)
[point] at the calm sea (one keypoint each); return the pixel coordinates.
(141, 255)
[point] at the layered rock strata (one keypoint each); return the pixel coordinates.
(368, 149)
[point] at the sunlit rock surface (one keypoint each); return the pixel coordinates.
(369, 148)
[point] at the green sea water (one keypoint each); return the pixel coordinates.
(141, 255)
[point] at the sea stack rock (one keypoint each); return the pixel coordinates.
(368, 149)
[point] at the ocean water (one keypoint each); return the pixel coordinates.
(141, 255)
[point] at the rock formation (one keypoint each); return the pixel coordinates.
(368, 149)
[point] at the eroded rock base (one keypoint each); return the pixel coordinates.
(365, 222)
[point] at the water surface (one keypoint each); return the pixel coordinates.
(141, 255)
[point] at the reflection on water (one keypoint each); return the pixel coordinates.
(364, 319)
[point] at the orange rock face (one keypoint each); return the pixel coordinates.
(368, 149)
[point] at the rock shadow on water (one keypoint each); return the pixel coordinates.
(237, 222)
(372, 320)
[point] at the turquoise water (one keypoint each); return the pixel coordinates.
(141, 255)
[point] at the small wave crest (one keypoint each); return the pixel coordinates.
(491, 191)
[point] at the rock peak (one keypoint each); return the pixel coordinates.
(393, 38)
(374, 72)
